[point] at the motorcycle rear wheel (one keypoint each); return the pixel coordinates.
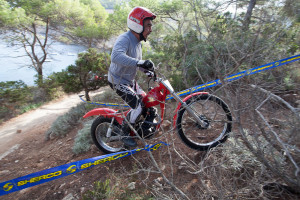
(213, 111)
(106, 144)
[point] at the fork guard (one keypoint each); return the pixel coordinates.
(184, 100)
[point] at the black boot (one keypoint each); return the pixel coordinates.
(147, 126)
(127, 139)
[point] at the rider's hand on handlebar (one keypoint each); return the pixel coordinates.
(149, 73)
(146, 64)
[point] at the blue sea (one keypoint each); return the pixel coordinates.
(15, 64)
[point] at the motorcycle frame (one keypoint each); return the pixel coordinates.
(156, 96)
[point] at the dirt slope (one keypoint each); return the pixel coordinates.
(24, 150)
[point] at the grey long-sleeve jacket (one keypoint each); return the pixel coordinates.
(127, 51)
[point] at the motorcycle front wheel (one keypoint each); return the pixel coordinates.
(107, 142)
(212, 110)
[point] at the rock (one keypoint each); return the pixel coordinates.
(40, 165)
(298, 103)
(59, 142)
(24, 191)
(278, 123)
(157, 182)
(159, 179)
(19, 131)
(166, 124)
(15, 147)
(131, 186)
(4, 172)
(52, 136)
(69, 197)
(62, 185)
(182, 165)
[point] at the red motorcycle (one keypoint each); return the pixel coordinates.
(201, 120)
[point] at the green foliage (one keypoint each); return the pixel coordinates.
(118, 20)
(13, 95)
(51, 88)
(11, 17)
(63, 124)
(101, 190)
(239, 155)
(16, 97)
(199, 42)
(84, 19)
(83, 139)
(104, 190)
(88, 74)
(14, 91)
(68, 80)
(252, 157)
(29, 107)
(194, 39)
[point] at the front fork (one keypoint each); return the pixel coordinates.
(188, 108)
(193, 113)
(108, 133)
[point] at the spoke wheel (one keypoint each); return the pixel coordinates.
(107, 144)
(214, 112)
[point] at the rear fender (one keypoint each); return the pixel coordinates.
(108, 113)
(184, 100)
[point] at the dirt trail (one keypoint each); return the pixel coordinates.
(16, 130)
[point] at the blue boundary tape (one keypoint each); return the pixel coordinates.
(67, 169)
(210, 84)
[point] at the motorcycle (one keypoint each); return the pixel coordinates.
(201, 120)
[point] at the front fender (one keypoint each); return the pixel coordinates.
(106, 112)
(184, 100)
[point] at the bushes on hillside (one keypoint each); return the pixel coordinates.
(16, 97)
(83, 139)
(65, 123)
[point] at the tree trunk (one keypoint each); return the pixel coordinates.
(37, 61)
(247, 18)
(87, 96)
(39, 74)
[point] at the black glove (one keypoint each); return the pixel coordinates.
(146, 64)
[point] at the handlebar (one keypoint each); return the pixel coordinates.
(154, 77)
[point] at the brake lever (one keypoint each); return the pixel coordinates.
(154, 76)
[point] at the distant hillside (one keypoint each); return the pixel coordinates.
(108, 4)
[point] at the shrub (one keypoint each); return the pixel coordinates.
(13, 94)
(87, 74)
(63, 124)
(101, 190)
(83, 139)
